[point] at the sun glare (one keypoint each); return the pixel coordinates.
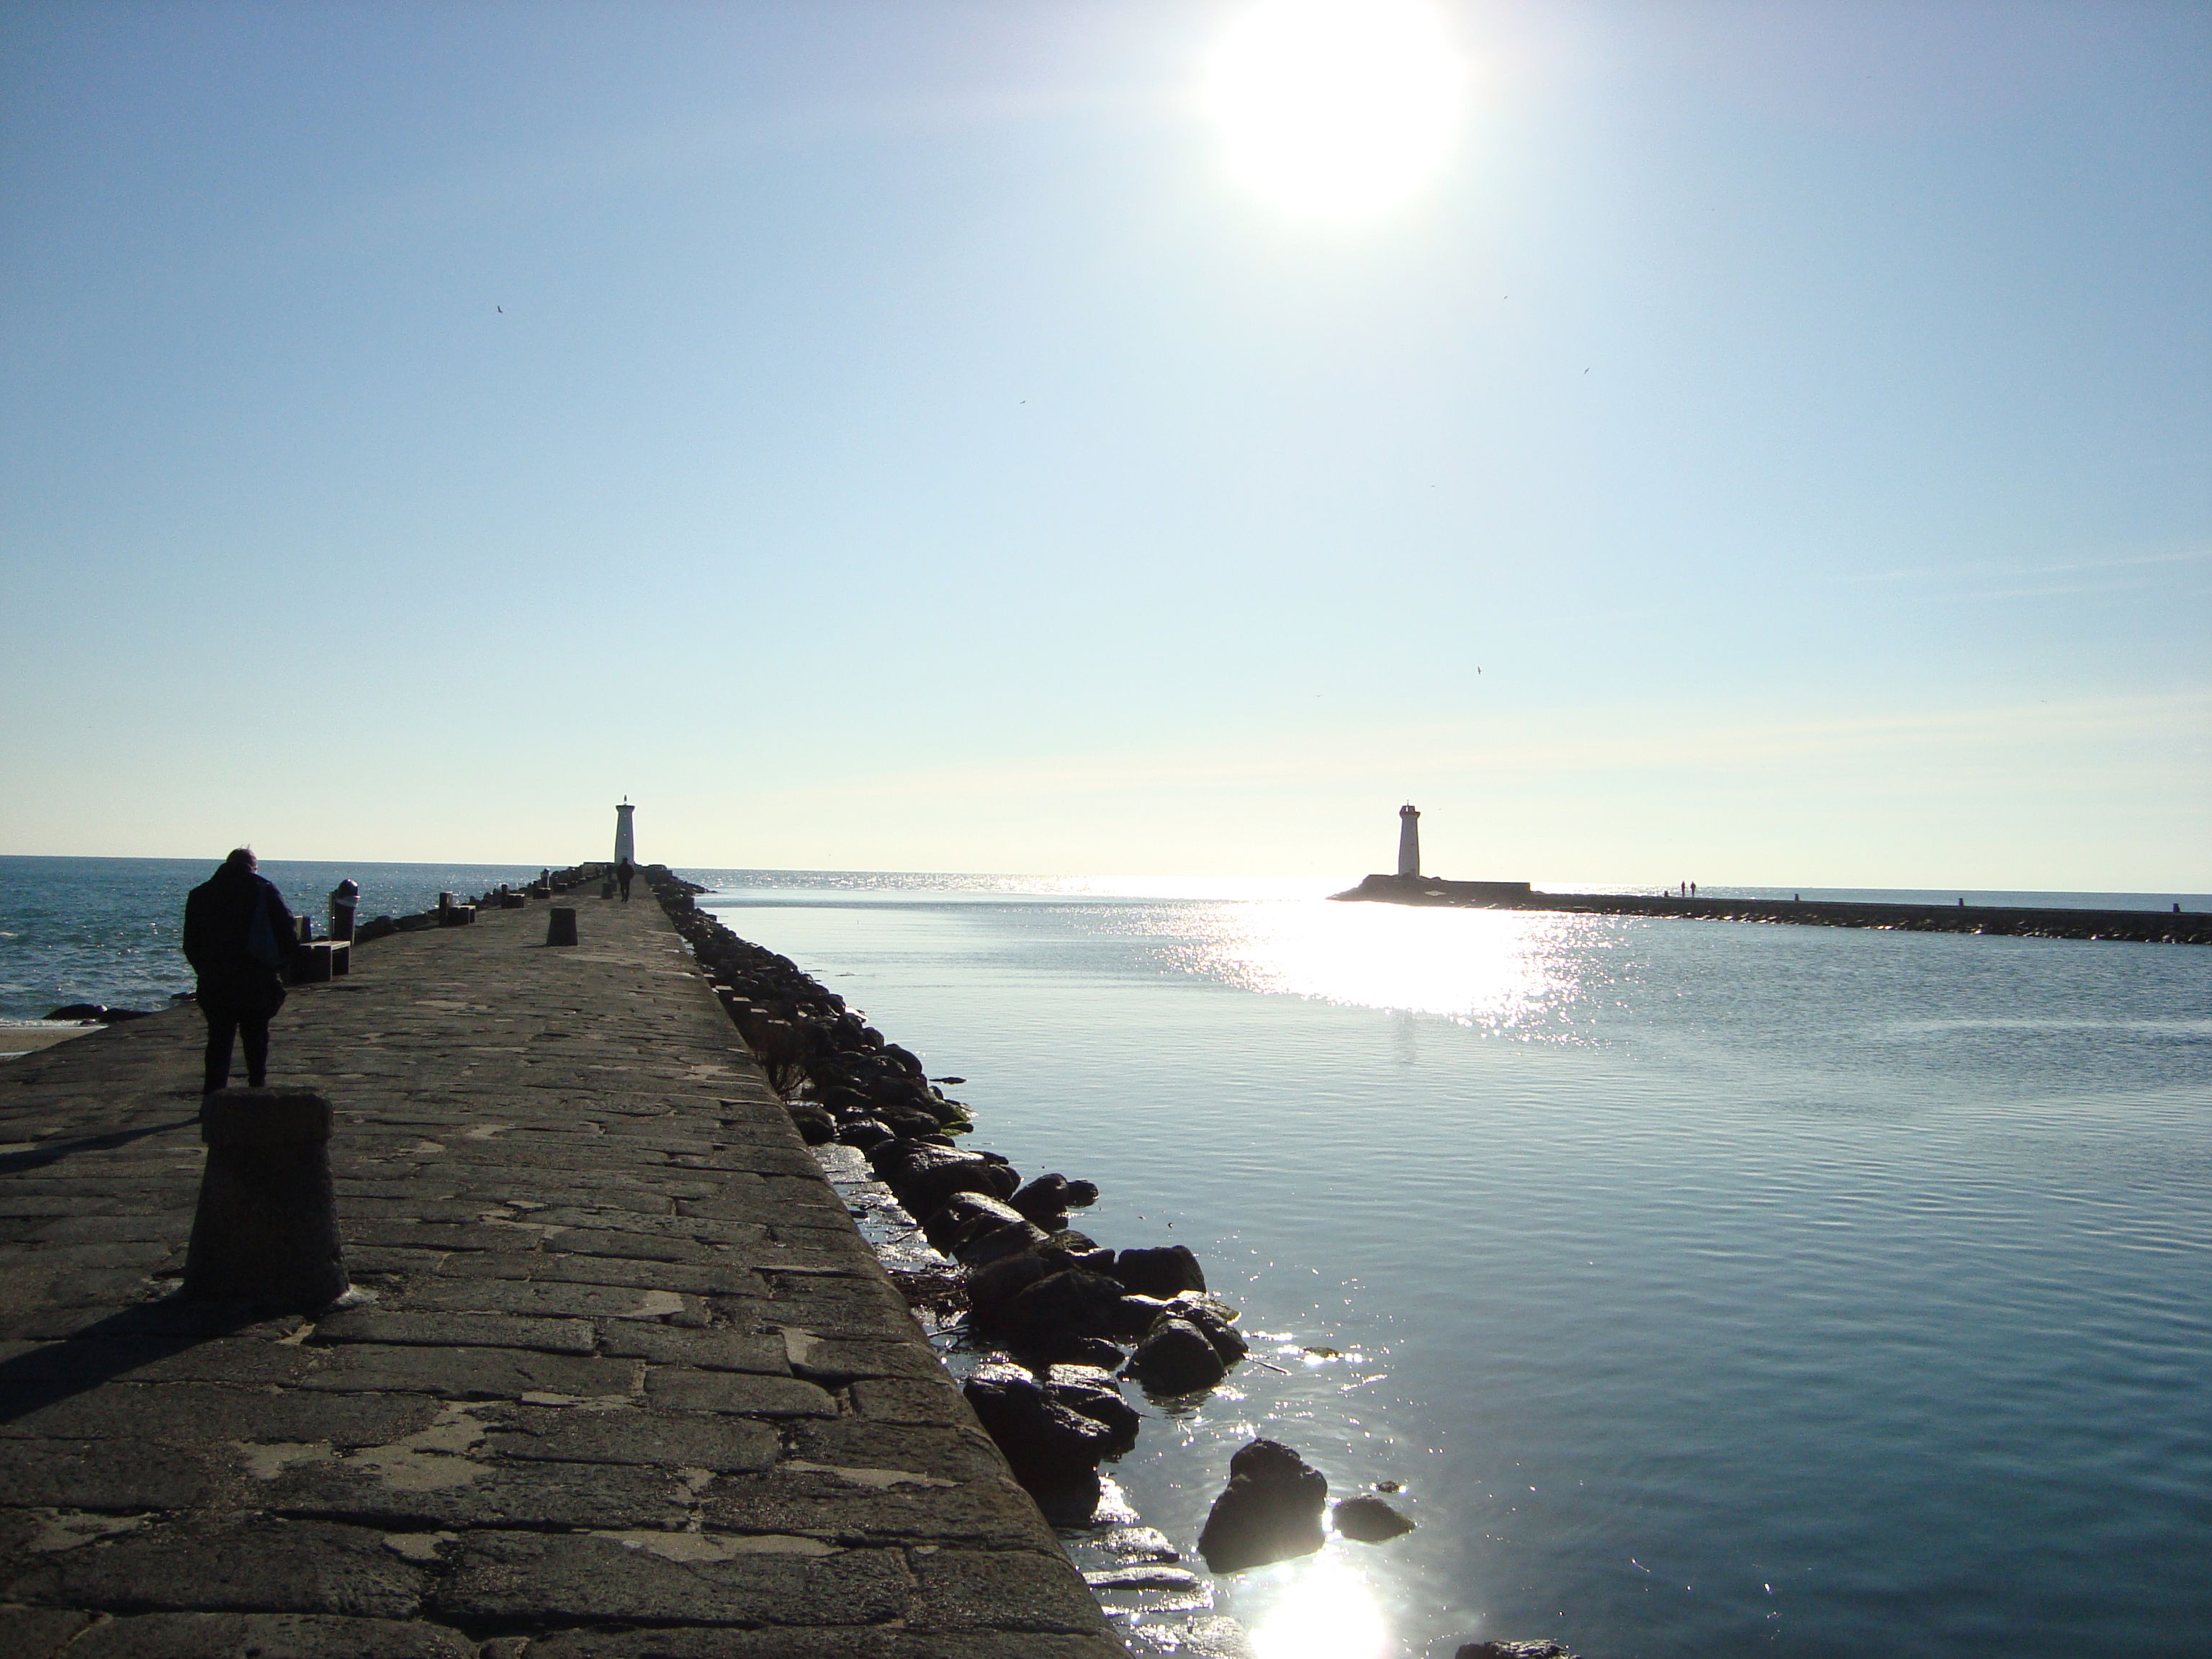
(1325, 1611)
(1336, 108)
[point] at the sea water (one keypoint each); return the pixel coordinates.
(1711, 1288)
(108, 930)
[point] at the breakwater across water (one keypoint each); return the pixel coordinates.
(2169, 926)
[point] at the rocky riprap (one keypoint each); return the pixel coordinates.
(1062, 1318)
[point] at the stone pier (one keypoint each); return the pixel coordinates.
(625, 1380)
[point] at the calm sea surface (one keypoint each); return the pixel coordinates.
(106, 930)
(1712, 1288)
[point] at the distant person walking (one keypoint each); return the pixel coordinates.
(623, 871)
(238, 937)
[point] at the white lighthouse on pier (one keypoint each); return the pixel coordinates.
(1409, 840)
(625, 838)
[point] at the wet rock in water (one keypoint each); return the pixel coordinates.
(1135, 1316)
(814, 1124)
(79, 1010)
(1269, 1511)
(1213, 1316)
(864, 1133)
(1043, 1440)
(1143, 1578)
(1081, 1250)
(1072, 1499)
(1139, 1544)
(1176, 1359)
(1067, 1304)
(1537, 1650)
(1090, 1389)
(994, 1284)
(1092, 1351)
(910, 1121)
(1369, 1521)
(1044, 1200)
(931, 1174)
(886, 1156)
(1162, 1272)
(976, 1228)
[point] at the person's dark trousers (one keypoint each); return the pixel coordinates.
(625, 886)
(226, 1024)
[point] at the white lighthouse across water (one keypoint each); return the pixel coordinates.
(1410, 887)
(625, 838)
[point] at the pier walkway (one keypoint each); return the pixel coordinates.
(629, 1384)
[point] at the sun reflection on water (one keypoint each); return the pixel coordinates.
(1318, 1609)
(1491, 968)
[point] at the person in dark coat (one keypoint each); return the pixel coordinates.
(623, 871)
(238, 937)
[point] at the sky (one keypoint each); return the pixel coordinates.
(1761, 443)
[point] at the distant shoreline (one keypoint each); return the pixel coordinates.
(2175, 926)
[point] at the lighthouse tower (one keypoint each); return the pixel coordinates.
(1409, 840)
(625, 839)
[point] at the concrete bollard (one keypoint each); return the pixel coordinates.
(560, 926)
(267, 1229)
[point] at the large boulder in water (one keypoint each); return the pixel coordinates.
(1048, 1199)
(975, 1228)
(1081, 1250)
(1044, 1440)
(1269, 1511)
(1213, 1316)
(991, 1285)
(1068, 1304)
(1176, 1359)
(1162, 1271)
(931, 1175)
(1369, 1520)
(1091, 1390)
(864, 1133)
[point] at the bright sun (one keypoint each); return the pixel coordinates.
(1336, 108)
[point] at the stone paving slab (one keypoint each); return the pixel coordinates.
(629, 1381)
